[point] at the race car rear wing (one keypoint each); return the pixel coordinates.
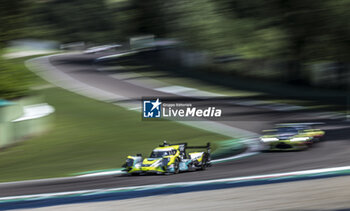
(300, 123)
(185, 145)
(199, 147)
(207, 147)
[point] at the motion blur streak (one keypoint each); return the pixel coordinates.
(278, 61)
(252, 180)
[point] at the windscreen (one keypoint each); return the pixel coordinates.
(159, 154)
(287, 130)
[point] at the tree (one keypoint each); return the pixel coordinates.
(11, 19)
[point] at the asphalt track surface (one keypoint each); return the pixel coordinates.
(334, 151)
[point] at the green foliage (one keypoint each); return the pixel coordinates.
(304, 30)
(11, 18)
(77, 20)
(189, 24)
(14, 79)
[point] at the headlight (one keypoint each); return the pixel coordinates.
(269, 139)
(300, 139)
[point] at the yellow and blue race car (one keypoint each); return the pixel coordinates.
(291, 136)
(169, 158)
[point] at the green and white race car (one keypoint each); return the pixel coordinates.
(291, 136)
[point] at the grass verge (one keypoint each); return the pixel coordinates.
(89, 135)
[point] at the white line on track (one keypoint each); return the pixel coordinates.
(135, 108)
(63, 80)
(179, 184)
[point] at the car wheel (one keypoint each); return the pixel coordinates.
(204, 162)
(176, 166)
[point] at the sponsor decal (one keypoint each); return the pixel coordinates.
(152, 108)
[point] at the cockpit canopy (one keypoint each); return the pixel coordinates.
(159, 153)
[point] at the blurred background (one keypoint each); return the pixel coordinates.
(270, 55)
(303, 42)
(287, 48)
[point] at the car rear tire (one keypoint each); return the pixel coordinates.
(204, 162)
(176, 166)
